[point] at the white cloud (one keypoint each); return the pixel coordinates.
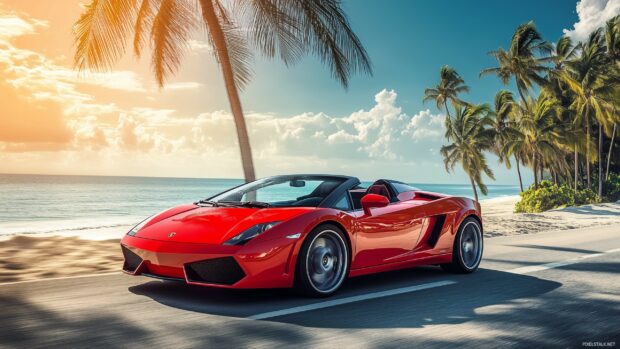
(12, 25)
(123, 80)
(425, 125)
(382, 133)
(592, 15)
(199, 46)
(189, 85)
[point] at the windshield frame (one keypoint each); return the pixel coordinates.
(347, 182)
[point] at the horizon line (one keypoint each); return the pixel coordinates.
(216, 178)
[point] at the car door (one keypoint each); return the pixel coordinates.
(388, 235)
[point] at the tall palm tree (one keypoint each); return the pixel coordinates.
(540, 135)
(447, 90)
(524, 60)
(564, 51)
(612, 44)
(286, 29)
(590, 79)
(470, 135)
(505, 128)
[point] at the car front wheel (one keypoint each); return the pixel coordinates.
(323, 262)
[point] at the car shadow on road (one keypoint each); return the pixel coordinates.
(449, 304)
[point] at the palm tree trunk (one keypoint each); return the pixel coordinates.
(541, 167)
(445, 104)
(588, 154)
(521, 94)
(600, 160)
(519, 173)
(473, 187)
(221, 47)
(576, 167)
(611, 148)
(535, 168)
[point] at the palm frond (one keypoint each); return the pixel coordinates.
(170, 32)
(144, 23)
(100, 33)
(273, 30)
(325, 31)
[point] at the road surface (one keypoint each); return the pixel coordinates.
(552, 289)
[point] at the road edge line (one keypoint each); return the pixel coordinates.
(351, 299)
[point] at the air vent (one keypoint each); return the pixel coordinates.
(225, 271)
(132, 260)
(437, 223)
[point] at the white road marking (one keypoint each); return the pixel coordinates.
(60, 278)
(540, 267)
(380, 294)
(352, 299)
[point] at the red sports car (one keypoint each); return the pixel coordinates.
(305, 231)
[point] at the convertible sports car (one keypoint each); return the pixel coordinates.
(305, 231)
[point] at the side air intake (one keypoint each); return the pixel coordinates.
(132, 260)
(224, 271)
(437, 225)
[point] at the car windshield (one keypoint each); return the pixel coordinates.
(280, 191)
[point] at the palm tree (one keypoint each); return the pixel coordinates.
(564, 51)
(449, 86)
(505, 129)
(470, 135)
(287, 29)
(612, 43)
(540, 135)
(590, 81)
(520, 61)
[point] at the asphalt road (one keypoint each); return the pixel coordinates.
(552, 289)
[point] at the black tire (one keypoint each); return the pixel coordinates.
(324, 249)
(467, 251)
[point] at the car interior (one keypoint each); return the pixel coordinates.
(379, 187)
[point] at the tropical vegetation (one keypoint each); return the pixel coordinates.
(283, 29)
(562, 127)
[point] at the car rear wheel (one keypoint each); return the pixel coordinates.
(323, 262)
(467, 250)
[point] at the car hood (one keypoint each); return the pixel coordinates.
(212, 225)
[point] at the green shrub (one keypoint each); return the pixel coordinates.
(549, 196)
(585, 197)
(545, 197)
(612, 188)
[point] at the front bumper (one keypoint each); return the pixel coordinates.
(269, 264)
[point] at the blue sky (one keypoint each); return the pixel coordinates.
(300, 119)
(408, 41)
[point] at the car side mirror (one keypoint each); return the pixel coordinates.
(372, 201)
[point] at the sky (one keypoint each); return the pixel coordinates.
(54, 120)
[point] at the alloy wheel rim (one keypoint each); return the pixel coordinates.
(326, 261)
(471, 245)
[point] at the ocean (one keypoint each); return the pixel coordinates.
(104, 207)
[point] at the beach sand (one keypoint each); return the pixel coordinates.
(28, 257)
(499, 219)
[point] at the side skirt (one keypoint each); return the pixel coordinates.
(436, 259)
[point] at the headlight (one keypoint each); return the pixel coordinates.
(139, 226)
(250, 233)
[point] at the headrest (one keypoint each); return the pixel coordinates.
(378, 189)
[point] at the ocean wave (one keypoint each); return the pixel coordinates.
(66, 226)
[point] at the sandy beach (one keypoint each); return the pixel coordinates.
(500, 220)
(28, 257)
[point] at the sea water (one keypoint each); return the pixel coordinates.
(102, 207)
